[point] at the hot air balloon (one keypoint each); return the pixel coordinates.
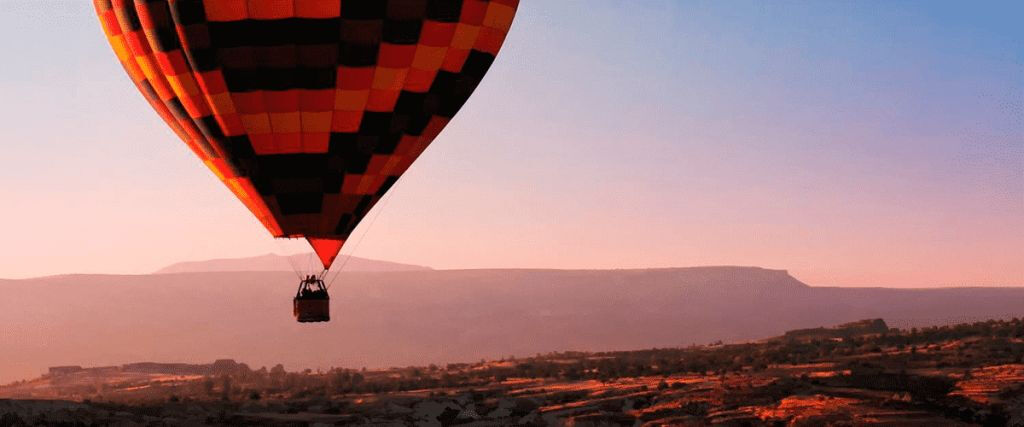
(307, 110)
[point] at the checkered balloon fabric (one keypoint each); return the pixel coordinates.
(308, 110)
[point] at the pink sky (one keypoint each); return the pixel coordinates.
(846, 145)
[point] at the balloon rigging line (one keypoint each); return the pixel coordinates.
(383, 204)
(295, 268)
(358, 242)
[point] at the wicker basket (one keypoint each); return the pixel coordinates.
(312, 310)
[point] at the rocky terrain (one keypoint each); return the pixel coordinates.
(860, 373)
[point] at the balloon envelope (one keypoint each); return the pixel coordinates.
(308, 110)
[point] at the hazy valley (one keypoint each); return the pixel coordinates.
(399, 318)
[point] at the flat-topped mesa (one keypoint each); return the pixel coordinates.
(845, 330)
(56, 371)
(866, 326)
(738, 277)
(218, 367)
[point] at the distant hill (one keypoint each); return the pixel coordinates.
(846, 330)
(274, 262)
(436, 316)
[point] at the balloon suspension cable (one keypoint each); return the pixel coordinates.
(291, 262)
(383, 204)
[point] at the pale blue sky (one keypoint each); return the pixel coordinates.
(853, 143)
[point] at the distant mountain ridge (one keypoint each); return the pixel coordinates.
(274, 262)
(218, 367)
(401, 318)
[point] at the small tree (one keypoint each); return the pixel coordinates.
(208, 385)
(225, 393)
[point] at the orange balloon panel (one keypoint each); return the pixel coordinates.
(308, 110)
